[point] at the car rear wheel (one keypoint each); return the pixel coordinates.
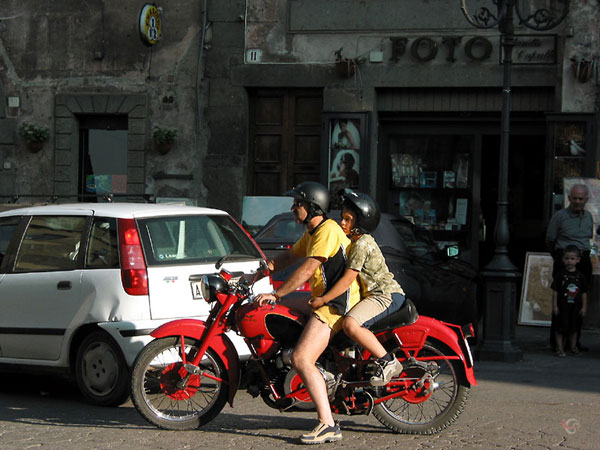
(101, 370)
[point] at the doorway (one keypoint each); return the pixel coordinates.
(526, 196)
(284, 139)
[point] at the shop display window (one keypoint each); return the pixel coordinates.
(571, 151)
(431, 181)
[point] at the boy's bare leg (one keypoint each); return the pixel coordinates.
(363, 336)
(559, 342)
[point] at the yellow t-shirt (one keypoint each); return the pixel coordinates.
(328, 241)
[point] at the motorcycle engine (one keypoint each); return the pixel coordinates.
(293, 382)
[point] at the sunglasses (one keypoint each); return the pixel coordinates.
(297, 204)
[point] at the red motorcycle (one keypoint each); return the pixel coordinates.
(183, 378)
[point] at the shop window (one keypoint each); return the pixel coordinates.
(103, 156)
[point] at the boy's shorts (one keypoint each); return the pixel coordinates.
(375, 307)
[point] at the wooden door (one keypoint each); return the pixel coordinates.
(285, 139)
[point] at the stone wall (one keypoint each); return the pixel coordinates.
(49, 50)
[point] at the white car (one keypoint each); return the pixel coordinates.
(82, 285)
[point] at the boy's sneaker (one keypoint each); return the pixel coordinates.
(385, 372)
(322, 433)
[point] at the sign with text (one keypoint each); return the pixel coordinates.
(533, 49)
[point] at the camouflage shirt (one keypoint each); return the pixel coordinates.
(374, 277)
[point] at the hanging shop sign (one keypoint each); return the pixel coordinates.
(149, 21)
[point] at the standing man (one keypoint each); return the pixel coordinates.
(323, 247)
(573, 225)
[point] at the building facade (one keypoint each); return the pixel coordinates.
(398, 98)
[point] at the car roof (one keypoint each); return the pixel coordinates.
(119, 210)
(385, 234)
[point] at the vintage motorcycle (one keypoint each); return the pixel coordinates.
(183, 378)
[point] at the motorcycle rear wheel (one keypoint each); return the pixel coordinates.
(425, 413)
(158, 394)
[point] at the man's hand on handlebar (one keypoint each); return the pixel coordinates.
(261, 299)
(263, 271)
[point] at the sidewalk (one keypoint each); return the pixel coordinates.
(532, 339)
(541, 402)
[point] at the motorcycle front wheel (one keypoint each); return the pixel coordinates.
(167, 395)
(430, 400)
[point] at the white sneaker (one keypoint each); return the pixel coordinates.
(322, 433)
(385, 372)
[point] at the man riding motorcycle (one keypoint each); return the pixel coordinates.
(324, 246)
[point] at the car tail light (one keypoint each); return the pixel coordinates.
(133, 266)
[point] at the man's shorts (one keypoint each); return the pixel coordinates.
(331, 316)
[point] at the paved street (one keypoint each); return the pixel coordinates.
(541, 402)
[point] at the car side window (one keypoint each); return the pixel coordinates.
(50, 243)
(103, 250)
(8, 225)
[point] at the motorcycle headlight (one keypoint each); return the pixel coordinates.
(211, 285)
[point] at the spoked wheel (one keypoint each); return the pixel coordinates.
(167, 395)
(431, 398)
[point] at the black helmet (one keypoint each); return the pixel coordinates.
(366, 210)
(313, 193)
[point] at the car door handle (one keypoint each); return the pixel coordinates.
(63, 285)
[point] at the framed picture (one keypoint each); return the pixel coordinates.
(345, 152)
(536, 294)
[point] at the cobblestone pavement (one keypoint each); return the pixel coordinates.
(543, 402)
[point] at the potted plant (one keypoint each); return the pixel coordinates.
(344, 67)
(164, 138)
(34, 135)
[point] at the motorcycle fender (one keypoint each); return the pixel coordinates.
(414, 336)
(221, 345)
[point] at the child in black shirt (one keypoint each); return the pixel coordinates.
(569, 300)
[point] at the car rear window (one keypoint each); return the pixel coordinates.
(284, 230)
(417, 242)
(192, 239)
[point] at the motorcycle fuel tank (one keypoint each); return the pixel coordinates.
(268, 325)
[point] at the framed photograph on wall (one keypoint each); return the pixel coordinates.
(345, 156)
(536, 294)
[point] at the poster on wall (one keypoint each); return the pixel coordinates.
(536, 294)
(345, 148)
(593, 206)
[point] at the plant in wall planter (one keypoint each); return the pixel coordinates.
(164, 138)
(344, 67)
(34, 136)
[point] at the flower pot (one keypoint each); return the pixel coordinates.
(583, 69)
(163, 147)
(34, 147)
(345, 68)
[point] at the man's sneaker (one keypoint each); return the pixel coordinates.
(322, 433)
(385, 372)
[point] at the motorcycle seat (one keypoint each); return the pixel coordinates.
(406, 315)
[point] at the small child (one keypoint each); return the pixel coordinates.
(381, 294)
(569, 300)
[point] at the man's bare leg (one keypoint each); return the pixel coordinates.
(312, 343)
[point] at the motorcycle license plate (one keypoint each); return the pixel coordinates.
(196, 290)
